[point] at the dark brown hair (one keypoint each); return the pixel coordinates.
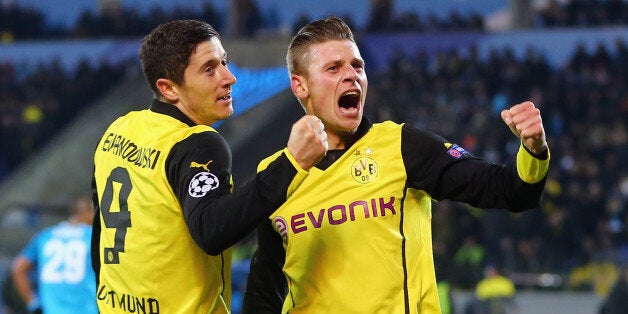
(166, 51)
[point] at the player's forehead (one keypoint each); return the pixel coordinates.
(333, 51)
(207, 52)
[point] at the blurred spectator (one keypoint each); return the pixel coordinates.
(494, 294)
(380, 17)
(617, 301)
(582, 13)
(597, 275)
(245, 18)
(22, 22)
(445, 292)
(587, 101)
(35, 107)
(468, 263)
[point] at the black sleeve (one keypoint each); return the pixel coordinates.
(218, 216)
(447, 171)
(95, 241)
(266, 287)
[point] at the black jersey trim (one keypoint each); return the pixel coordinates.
(291, 295)
(170, 110)
(222, 276)
(404, 264)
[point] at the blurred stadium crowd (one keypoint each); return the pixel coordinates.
(585, 105)
(581, 230)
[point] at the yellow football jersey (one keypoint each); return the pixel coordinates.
(148, 261)
(362, 271)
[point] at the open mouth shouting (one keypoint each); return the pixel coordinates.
(349, 102)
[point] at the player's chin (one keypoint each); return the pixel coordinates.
(225, 107)
(349, 125)
(223, 116)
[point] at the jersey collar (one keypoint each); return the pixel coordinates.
(363, 128)
(333, 154)
(170, 110)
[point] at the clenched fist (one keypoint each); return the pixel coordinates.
(525, 121)
(308, 141)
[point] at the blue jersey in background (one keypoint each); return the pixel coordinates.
(65, 279)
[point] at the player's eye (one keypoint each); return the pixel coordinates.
(210, 70)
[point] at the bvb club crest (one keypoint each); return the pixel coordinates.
(364, 169)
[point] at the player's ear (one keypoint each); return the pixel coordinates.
(168, 89)
(298, 84)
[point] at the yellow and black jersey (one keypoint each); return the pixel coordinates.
(355, 236)
(167, 213)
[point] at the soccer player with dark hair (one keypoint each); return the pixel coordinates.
(356, 235)
(167, 211)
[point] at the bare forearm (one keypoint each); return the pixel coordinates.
(20, 270)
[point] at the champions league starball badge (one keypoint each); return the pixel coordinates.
(202, 183)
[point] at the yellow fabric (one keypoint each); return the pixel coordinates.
(530, 169)
(32, 114)
(301, 174)
(160, 266)
(495, 287)
(386, 234)
(600, 275)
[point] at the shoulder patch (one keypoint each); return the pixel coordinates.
(202, 183)
(455, 151)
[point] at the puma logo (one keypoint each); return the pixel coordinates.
(204, 166)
